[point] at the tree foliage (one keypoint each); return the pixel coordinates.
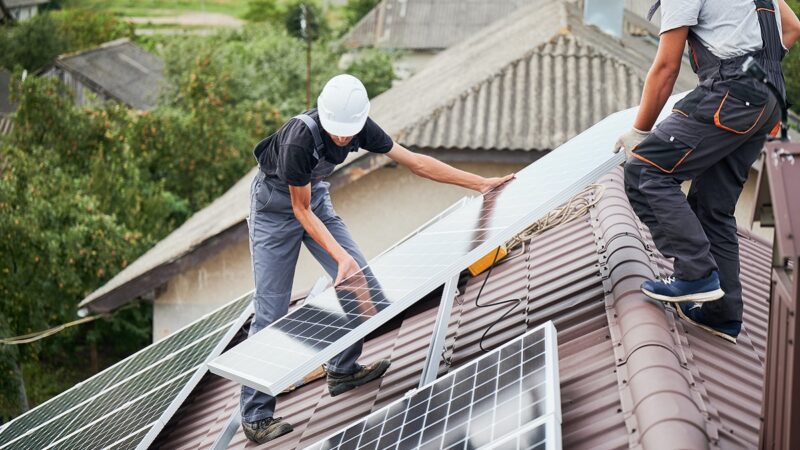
(356, 9)
(374, 68)
(34, 43)
(84, 191)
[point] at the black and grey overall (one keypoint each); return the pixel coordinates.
(713, 137)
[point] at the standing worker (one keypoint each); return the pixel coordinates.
(290, 203)
(713, 137)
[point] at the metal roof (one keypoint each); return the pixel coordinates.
(426, 24)
(439, 24)
(520, 75)
(5, 94)
(632, 374)
(120, 70)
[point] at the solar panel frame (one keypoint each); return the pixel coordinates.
(217, 327)
(548, 425)
(551, 410)
(226, 365)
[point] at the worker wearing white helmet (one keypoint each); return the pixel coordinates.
(290, 204)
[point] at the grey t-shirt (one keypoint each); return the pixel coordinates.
(728, 28)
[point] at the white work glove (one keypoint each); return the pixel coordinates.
(629, 140)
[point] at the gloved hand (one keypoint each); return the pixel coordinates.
(629, 140)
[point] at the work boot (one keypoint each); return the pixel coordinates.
(265, 430)
(676, 290)
(339, 384)
(693, 313)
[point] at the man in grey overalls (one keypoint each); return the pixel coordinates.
(290, 204)
(713, 137)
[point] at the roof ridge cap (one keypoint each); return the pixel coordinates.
(646, 346)
(103, 46)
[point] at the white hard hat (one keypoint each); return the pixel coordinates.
(343, 105)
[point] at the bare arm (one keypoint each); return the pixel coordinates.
(433, 169)
(301, 206)
(790, 24)
(661, 77)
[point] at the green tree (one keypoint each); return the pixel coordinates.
(265, 11)
(356, 9)
(85, 191)
(82, 28)
(30, 44)
(374, 68)
(308, 13)
(73, 212)
(34, 43)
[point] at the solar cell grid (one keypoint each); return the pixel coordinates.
(128, 418)
(398, 278)
(477, 405)
(122, 402)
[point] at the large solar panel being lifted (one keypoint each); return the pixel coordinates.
(125, 405)
(330, 322)
(502, 399)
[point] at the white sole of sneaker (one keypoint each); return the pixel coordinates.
(696, 298)
(705, 328)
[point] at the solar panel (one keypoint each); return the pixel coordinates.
(327, 324)
(504, 397)
(120, 406)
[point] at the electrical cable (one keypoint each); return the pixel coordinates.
(574, 208)
(38, 335)
(515, 301)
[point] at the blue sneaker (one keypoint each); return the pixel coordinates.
(676, 290)
(693, 313)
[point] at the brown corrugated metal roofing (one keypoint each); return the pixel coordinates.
(632, 375)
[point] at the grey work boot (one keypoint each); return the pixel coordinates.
(265, 430)
(339, 384)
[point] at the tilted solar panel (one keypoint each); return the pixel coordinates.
(120, 406)
(501, 399)
(330, 322)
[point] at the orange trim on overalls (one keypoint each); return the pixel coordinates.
(679, 112)
(765, 9)
(719, 124)
(642, 158)
(694, 56)
(776, 129)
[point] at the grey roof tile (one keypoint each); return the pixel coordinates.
(120, 70)
(426, 24)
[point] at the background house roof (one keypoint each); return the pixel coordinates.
(120, 70)
(535, 86)
(22, 3)
(5, 94)
(426, 24)
(622, 358)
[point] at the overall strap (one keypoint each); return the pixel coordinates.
(770, 33)
(653, 10)
(312, 126)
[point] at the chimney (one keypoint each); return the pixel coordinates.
(605, 14)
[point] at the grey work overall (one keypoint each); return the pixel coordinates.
(275, 238)
(713, 137)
